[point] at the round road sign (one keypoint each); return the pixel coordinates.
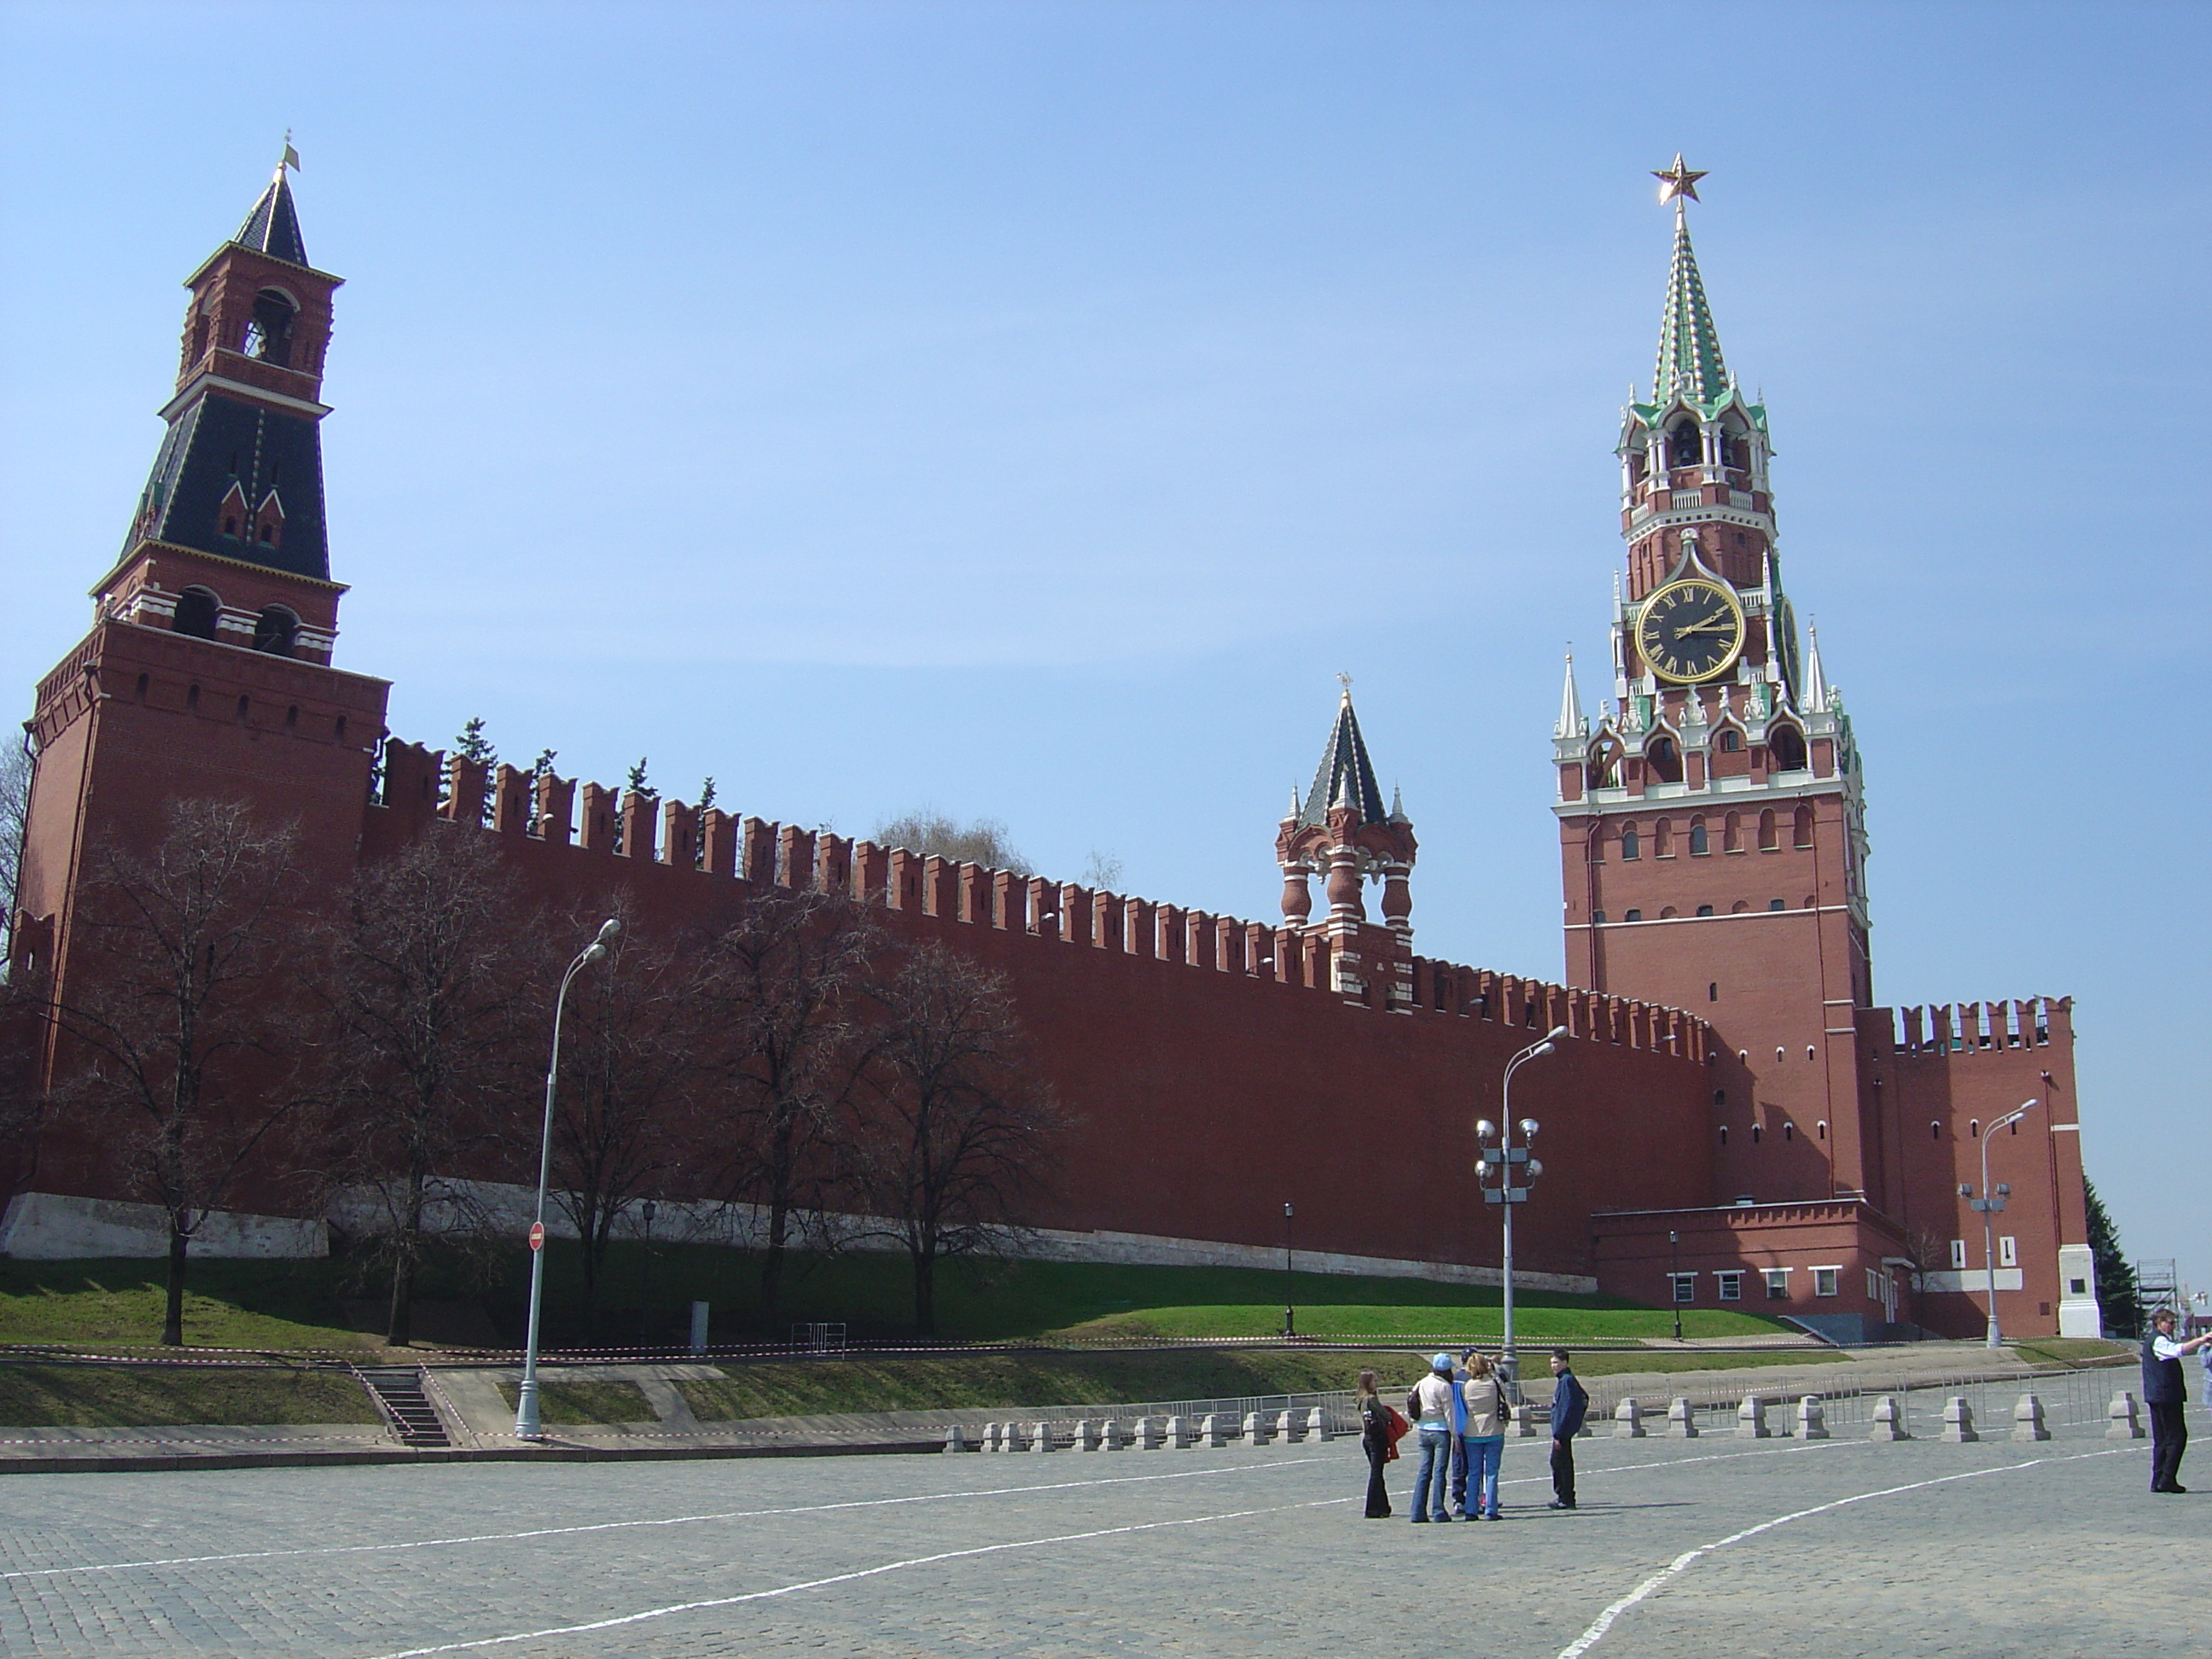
(537, 1235)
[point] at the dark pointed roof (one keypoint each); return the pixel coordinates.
(1689, 344)
(273, 227)
(1347, 777)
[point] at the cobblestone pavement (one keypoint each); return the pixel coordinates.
(1744, 1548)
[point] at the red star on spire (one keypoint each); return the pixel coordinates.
(1678, 180)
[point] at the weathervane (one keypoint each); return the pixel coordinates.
(1345, 680)
(290, 158)
(1678, 184)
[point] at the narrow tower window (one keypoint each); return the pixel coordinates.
(1685, 447)
(1787, 744)
(1801, 827)
(1767, 841)
(1698, 848)
(1631, 847)
(1665, 760)
(196, 610)
(275, 631)
(269, 334)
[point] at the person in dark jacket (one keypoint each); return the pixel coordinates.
(1375, 1440)
(1570, 1405)
(2166, 1394)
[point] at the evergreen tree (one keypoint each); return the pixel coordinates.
(2116, 1275)
(473, 745)
(637, 782)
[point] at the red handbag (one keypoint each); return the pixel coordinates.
(1400, 1428)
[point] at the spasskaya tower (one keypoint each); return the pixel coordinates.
(1712, 827)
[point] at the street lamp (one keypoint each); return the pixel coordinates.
(1498, 1165)
(645, 1295)
(1675, 1279)
(525, 1399)
(1290, 1309)
(1990, 1204)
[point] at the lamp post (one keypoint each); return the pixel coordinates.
(525, 1399)
(1675, 1279)
(649, 1209)
(1497, 1163)
(1991, 1204)
(1290, 1284)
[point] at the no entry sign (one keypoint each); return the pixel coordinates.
(537, 1235)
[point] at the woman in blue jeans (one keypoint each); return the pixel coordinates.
(1429, 1404)
(1482, 1399)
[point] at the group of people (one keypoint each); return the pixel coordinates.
(1460, 1411)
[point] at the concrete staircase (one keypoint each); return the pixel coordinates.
(398, 1390)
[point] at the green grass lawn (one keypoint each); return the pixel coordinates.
(268, 1305)
(280, 1306)
(867, 1383)
(578, 1403)
(872, 1295)
(124, 1396)
(2069, 1350)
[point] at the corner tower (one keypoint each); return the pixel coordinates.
(207, 671)
(1712, 833)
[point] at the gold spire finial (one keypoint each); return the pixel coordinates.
(1345, 680)
(1677, 183)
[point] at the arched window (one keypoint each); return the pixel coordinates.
(1632, 915)
(275, 631)
(1704, 909)
(1934, 1131)
(1604, 769)
(1662, 840)
(1723, 1134)
(1757, 1133)
(197, 611)
(1767, 842)
(1731, 740)
(1821, 1129)
(1713, 991)
(1776, 904)
(1698, 848)
(1665, 911)
(1686, 445)
(1801, 827)
(1738, 908)
(1664, 759)
(1732, 833)
(1788, 1131)
(1632, 847)
(1973, 1128)
(1787, 746)
(269, 334)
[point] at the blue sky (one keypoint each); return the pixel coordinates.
(1027, 410)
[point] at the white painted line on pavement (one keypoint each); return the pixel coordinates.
(808, 1509)
(848, 1578)
(1683, 1563)
(664, 1521)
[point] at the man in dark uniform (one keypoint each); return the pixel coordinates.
(2166, 1394)
(1570, 1404)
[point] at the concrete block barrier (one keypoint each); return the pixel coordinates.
(1152, 1434)
(1959, 1421)
(1041, 1438)
(1290, 1426)
(1318, 1420)
(1628, 1421)
(1811, 1418)
(1182, 1432)
(2027, 1420)
(1890, 1421)
(1259, 1430)
(2124, 1421)
(1682, 1418)
(1751, 1419)
(954, 1440)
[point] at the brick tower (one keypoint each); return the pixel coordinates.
(1342, 829)
(207, 670)
(1711, 826)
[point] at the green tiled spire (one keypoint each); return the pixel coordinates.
(1689, 346)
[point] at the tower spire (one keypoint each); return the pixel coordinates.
(1346, 777)
(1571, 723)
(1816, 678)
(1689, 346)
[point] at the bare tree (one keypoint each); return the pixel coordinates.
(952, 1135)
(782, 977)
(431, 972)
(14, 816)
(928, 830)
(192, 1028)
(634, 1057)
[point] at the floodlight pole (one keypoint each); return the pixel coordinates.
(526, 1396)
(1991, 1204)
(1509, 1192)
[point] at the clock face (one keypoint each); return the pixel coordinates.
(1690, 630)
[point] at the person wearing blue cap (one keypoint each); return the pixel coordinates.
(1429, 1404)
